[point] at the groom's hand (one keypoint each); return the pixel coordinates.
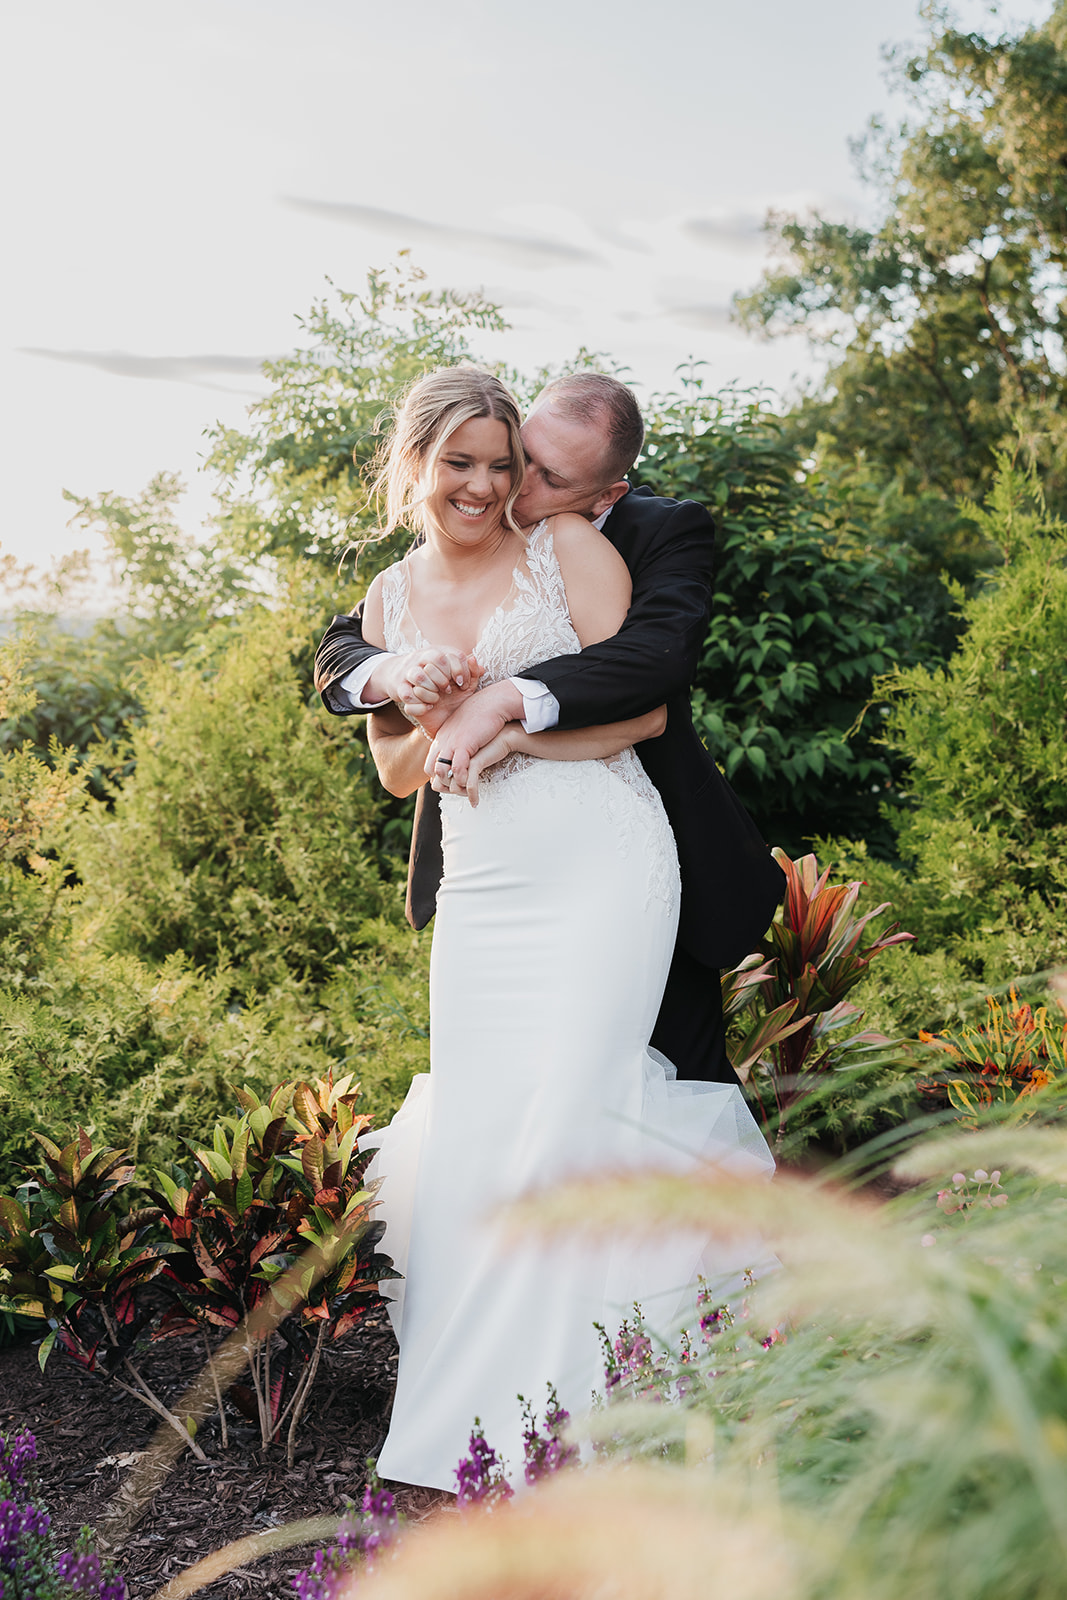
(468, 730)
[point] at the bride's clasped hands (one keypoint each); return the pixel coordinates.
(431, 687)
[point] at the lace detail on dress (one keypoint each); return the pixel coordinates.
(533, 624)
(536, 625)
(664, 881)
(394, 604)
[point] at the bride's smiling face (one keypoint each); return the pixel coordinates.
(471, 483)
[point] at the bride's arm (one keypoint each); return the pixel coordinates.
(572, 744)
(398, 748)
(399, 751)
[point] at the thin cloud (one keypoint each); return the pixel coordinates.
(708, 316)
(523, 250)
(167, 369)
(711, 318)
(738, 230)
(524, 300)
(621, 241)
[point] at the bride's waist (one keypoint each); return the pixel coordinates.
(620, 778)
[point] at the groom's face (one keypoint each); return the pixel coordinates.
(565, 470)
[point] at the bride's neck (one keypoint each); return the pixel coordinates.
(452, 562)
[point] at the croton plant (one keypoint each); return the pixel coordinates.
(272, 1239)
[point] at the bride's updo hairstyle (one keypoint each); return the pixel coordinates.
(425, 419)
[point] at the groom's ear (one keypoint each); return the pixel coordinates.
(608, 497)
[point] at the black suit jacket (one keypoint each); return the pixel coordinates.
(730, 882)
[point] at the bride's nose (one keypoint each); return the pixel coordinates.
(480, 482)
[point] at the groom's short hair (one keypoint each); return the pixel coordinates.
(598, 398)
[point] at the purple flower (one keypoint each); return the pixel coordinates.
(547, 1453)
(20, 1528)
(319, 1581)
(368, 1535)
(85, 1574)
(27, 1550)
(381, 1524)
(15, 1456)
(480, 1475)
(714, 1319)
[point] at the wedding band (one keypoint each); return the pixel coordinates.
(444, 761)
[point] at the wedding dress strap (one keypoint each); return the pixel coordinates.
(543, 567)
(395, 586)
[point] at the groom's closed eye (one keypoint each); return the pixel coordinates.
(550, 478)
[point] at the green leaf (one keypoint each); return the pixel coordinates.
(244, 1193)
(45, 1348)
(62, 1273)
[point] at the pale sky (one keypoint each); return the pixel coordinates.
(184, 176)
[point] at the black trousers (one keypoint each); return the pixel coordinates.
(689, 1029)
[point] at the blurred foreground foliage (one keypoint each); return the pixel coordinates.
(883, 1414)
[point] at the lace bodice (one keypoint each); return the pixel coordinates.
(530, 624)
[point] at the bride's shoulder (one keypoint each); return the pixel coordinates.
(567, 529)
(591, 567)
(577, 544)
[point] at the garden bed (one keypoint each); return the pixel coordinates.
(87, 1431)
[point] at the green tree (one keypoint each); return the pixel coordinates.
(40, 804)
(982, 833)
(292, 484)
(950, 315)
(985, 828)
(170, 587)
(945, 323)
(807, 613)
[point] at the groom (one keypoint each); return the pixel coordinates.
(581, 438)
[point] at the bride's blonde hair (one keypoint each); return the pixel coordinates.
(424, 420)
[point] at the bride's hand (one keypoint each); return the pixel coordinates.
(426, 677)
(505, 743)
(430, 718)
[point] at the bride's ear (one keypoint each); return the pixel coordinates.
(608, 497)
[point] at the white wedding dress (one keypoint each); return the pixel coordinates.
(554, 931)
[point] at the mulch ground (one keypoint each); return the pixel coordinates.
(87, 1430)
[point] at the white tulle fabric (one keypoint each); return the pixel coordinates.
(555, 925)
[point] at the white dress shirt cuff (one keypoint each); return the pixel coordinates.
(353, 684)
(540, 708)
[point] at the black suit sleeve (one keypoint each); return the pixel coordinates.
(343, 648)
(654, 654)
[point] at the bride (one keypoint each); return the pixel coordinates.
(555, 925)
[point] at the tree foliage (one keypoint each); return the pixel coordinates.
(985, 829)
(944, 322)
(242, 837)
(951, 314)
(807, 612)
(982, 834)
(293, 483)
